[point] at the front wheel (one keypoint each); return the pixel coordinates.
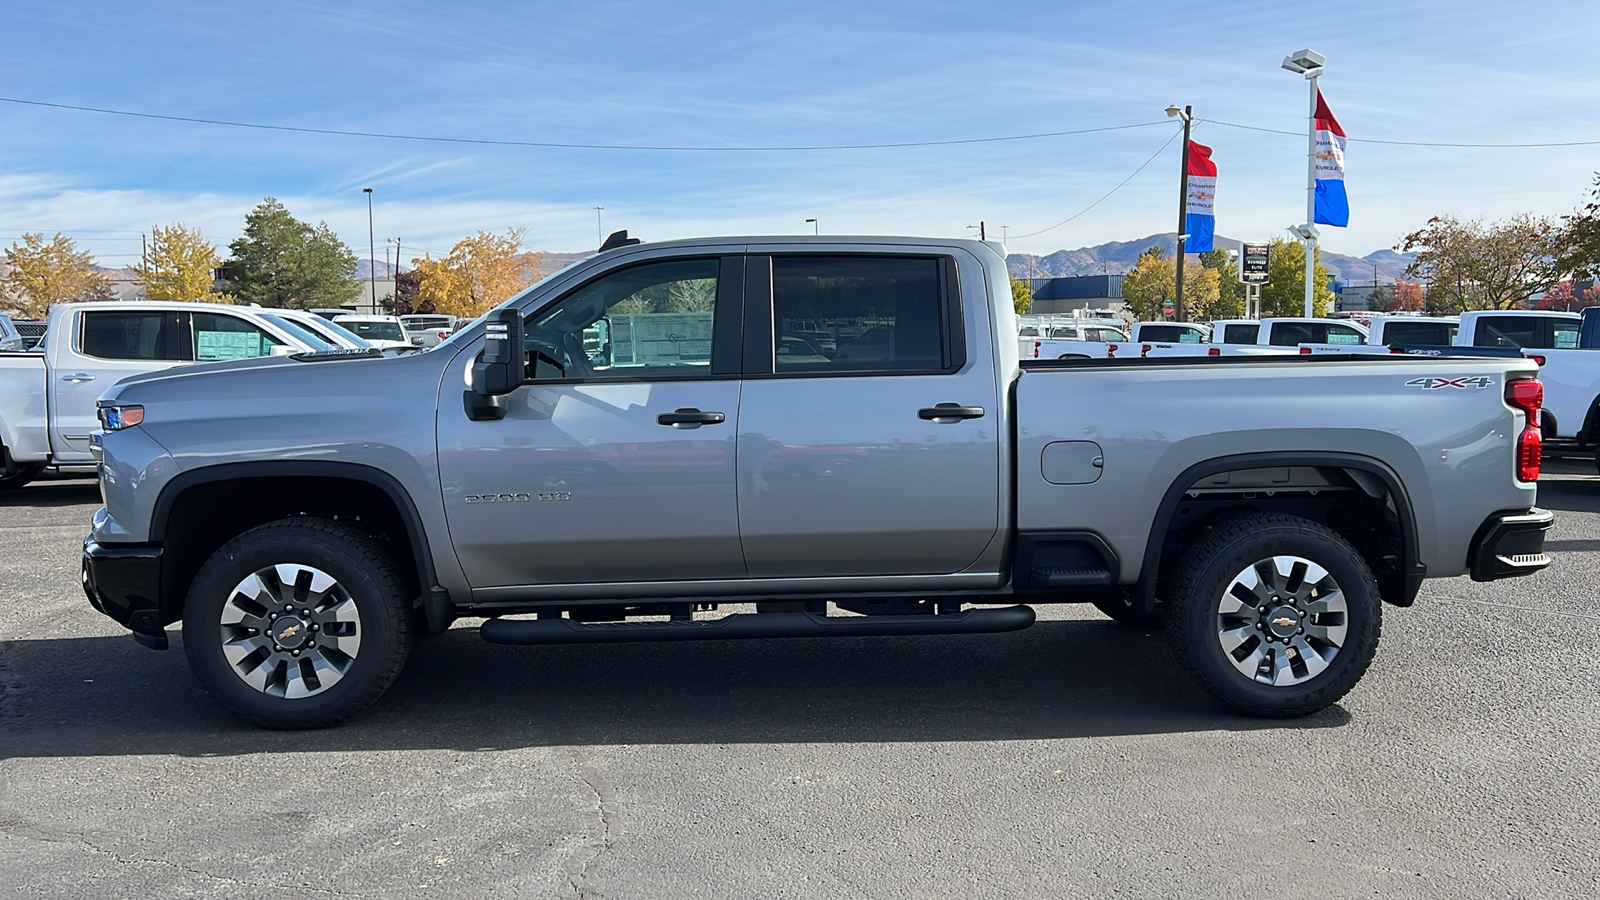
(299, 623)
(1277, 616)
(14, 475)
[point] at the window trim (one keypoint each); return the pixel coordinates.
(761, 333)
(174, 324)
(726, 323)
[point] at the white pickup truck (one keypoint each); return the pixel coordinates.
(1227, 337)
(47, 400)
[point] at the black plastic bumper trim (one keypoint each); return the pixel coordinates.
(754, 625)
(124, 582)
(1510, 545)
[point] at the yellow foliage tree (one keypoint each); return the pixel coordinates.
(179, 266)
(1149, 285)
(46, 272)
(480, 272)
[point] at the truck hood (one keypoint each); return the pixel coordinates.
(305, 376)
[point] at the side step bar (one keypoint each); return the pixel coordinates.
(754, 625)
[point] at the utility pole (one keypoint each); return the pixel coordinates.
(599, 230)
(1183, 205)
(983, 231)
(372, 251)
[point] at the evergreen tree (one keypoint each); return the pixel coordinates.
(282, 261)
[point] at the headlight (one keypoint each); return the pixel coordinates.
(116, 418)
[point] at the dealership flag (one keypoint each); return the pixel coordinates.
(1332, 207)
(1199, 217)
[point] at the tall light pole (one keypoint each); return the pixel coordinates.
(1309, 63)
(816, 229)
(1183, 203)
(372, 251)
(599, 230)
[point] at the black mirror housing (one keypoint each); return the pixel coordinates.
(501, 366)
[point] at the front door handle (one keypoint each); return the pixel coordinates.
(950, 411)
(77, 377)
(689, 417)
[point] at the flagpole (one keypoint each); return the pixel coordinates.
(1183, 208)
(1311, 193)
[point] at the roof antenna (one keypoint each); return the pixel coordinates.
(618, 239)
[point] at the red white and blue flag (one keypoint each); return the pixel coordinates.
(1199, 210)
(1332, 207)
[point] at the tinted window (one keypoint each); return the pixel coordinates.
(1419, 333)
(114, 334)
(880, 313)
(220, 336)
(1565, 336)
(1239, 334)
(654, 319)
(1507, 331)
(1166, 334)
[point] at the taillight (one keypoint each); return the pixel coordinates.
(1035, 349)
(1144, 350)
(1536, 358)
(1214, 351)
(1305, 351)
(1111, 350)
(1527, 394)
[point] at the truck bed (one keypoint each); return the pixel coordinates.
(1441, 425)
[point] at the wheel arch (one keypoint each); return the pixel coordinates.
(1399, 588)
(201, 509)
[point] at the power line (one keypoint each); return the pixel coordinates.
(1355, 140)
(1110, 192)
(563, 146)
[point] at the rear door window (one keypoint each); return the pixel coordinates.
(151, 335)
(1507, 331)
(881, 313)
(1419, 333)
(1240, 334)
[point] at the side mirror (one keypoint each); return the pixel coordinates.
(500, 367)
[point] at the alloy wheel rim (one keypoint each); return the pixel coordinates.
(290, 630)
(1282, 620)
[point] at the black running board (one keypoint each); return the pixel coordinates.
(754, 625)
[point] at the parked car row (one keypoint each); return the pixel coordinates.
(47, 396)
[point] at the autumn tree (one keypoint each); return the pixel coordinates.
(1285, 292)
(1150, 284)
(1579, 239)
(1406, 296)
(1470, 265)
(486, 269)
(282, 261)
(44, 272)
(1021, 295)
(179, 266)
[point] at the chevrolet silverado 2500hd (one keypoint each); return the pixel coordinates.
(646, 436)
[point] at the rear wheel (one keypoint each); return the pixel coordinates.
(1277, 616)
(299, 623)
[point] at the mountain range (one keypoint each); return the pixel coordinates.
(1117, 257)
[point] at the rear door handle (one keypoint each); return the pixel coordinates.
(689, 417)
(950, 411)
(77, 377)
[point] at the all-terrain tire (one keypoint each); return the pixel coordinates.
(15, 475)
(1219, 565)
(298, 623)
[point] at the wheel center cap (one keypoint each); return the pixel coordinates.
(290, 632)
(1284, 621)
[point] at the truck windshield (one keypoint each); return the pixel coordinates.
(301, 333)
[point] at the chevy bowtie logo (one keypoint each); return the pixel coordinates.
(289, 632)
(1283, 622)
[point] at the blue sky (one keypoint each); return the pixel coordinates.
(778, 74)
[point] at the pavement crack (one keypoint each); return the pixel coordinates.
(26, 831)
(604, 818)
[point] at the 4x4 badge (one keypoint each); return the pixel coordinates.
(1434, 382)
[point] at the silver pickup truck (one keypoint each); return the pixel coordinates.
(658, 433)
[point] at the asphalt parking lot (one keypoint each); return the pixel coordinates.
(1072, 759)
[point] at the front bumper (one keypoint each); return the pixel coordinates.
(1510, 545)
(124, 582)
